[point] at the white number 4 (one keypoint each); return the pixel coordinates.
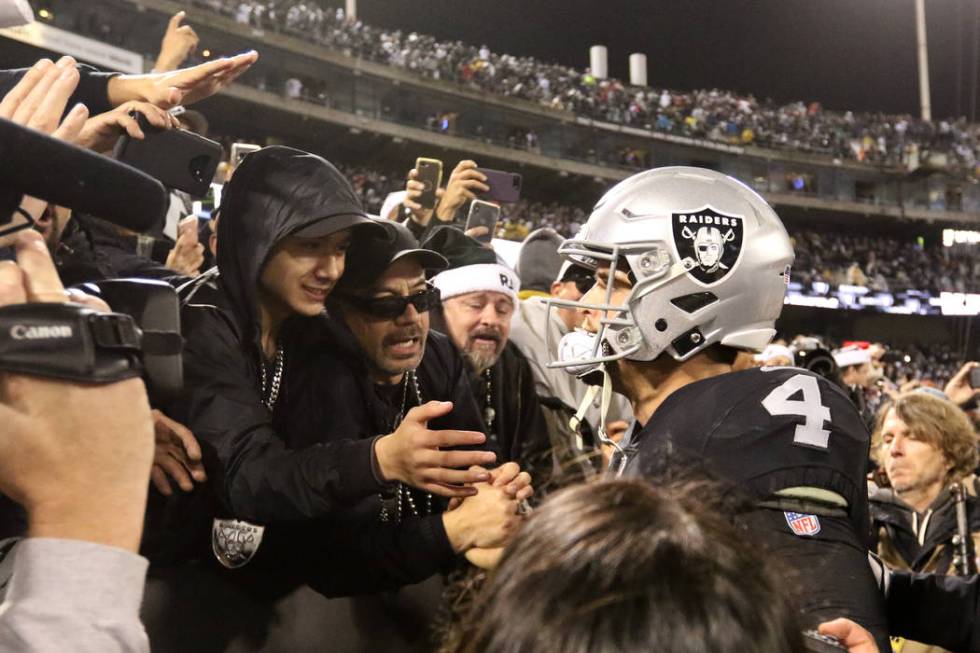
(811, 432)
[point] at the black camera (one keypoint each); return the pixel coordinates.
(71, 341)
(155, 308)
(812, 355)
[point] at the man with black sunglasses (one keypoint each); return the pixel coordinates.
(378, 361)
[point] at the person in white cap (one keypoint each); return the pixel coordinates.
(479, 296)
(775, 356)
(855, 365)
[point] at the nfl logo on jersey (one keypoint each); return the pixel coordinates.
(803, 525)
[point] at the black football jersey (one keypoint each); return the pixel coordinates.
(761, 430)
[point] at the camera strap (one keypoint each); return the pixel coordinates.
(69, 341)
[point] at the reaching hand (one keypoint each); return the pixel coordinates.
(187, 256)
(179, 42)
(184, 86)
(100, 133)
(855, 638)
(959, 389)
(76, 456)
(486, 520)
(413, 192)
(177, 454)
(416, 456)
(464, 183)
(38, 101)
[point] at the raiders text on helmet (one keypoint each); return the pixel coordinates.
(708, 255)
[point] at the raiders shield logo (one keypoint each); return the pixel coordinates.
(711, 240)
(235, 542)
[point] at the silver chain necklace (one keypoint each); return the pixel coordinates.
(404, 500)
(270, 391)
(489, 413)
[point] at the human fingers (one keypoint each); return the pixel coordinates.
(175, 20)
(960, 376)
(13, 99)
(76, 296)
(520, 482)
(72, 125)
(476, 232)
(188, 32)
(41, 280)
(154, 115)
(11, 284)
(239, 64)
(445, 476)
(851, 635)
(474, 462)
(160, 482)
(474, 185)
(471, 174)
(429, 410)
(449, 491)
(129, 124)
(30, 104)
(47, 117)
(175, 470)
(178, 431)
(505, 473)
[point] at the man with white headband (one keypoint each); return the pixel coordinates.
(775, 356)
(479, 295)
(691, 268)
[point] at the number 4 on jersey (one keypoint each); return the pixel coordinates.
(811, 432)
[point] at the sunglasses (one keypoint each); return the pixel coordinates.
(389, 308)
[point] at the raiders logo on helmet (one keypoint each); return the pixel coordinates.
(711, 240)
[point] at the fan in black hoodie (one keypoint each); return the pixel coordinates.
(287, 218)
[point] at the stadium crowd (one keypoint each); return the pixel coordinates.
(711, 114)
(833, 256)
(299, 426)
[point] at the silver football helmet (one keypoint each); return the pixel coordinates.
(709, 260)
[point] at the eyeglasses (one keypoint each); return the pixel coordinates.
(389, 308)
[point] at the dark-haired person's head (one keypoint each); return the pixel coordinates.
(385, 300)
(287, 219)
(622, 566)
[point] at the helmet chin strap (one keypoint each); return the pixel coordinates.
(604, 405)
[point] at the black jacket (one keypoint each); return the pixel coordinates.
(935, 609)
(519, 430)
(253, 473)
(898, 530)
(332, 399)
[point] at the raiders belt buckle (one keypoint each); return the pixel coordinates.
(235, 542)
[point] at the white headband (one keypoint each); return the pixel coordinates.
(480, 277)
(849, 356)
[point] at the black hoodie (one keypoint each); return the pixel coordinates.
(252, 475)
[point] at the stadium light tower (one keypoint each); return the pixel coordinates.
(923, 51)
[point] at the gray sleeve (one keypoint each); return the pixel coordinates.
(73, 595)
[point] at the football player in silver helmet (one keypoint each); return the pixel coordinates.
(691, 268)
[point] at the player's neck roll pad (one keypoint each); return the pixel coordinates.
(69, 341)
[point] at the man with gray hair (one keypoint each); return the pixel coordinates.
(479, 296)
